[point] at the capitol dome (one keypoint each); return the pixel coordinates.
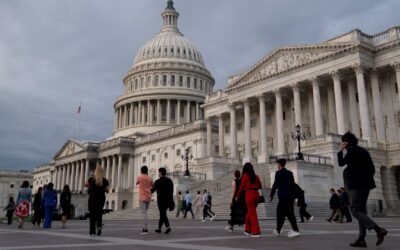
(166, 84)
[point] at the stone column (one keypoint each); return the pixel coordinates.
(87, 170)
(151, 113)
(81, 175)
(178, 113)
(233, 130)
(263, 131)
(137, 114)
(247, 129)
(168, 111)
(297, 105)
(363, 102)
(113, 170)
(319, 129)
(116, 119)
(139, 118)
(108, 163)
(119, 184)
(148, 112)
(143, 114)
(221, 135)
(209, 137)
(396, 66)
(188, 112)
(131, 115)
(279, 122)
(131, 178)
(158, 112)
(376, 95)
(68, 179)
(197, 111)
(331, 117)
(355, 126)
(338, 102)
(72, 180)
(57, 183)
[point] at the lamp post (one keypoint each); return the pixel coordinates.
(298, 136)
(186, 157)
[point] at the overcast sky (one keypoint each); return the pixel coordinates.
(56, 54)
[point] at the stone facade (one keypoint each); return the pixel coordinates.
(10, 182)
(349, 83)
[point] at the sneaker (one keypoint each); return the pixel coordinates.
(247, 233)
(213, 218)
(229, 229)
(99, 231)
(158, 230)
(203, 220)
(311, 218)
(293, 234)
(381, 235)
(275, 232)
(168, 230)
(255, 235)
(144, 231)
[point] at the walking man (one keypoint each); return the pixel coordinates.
(205, 206)
(301, 203)
(189, 202)
(344, 199)
(334, 204)
(145, 184)
(284, 182)
(165, 189)
(359, 180)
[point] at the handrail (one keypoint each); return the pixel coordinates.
(307, 158)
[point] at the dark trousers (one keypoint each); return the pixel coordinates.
(303, 213)
(37, 216)
(9, 216)
(286, 209)
(205, 212)
(189, 209)
(358, 207)
(48, 216)
(96, 217)
(346, 213)
(163, 215)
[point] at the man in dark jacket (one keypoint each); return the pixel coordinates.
(359, 179)
(344, 200)
(284, 182)
(334, 204)
(301, 203)
(165, 189)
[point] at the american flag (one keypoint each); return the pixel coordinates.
(78, 111)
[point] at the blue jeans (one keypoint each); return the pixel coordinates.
(48, 216)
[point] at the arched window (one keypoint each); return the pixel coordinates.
(188, 82)
(164, 80)
(172, 80)
(180, 81)
(156, 81)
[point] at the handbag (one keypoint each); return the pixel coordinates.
(171, 206)
(261, 198)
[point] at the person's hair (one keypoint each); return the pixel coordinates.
(98, 175)
(205, 190)
(342, 188)
(333, 190)
(198, 192)
(350, 138)
(50, 186)
(237, 174)
(281, 162)
(11, 199)
(162, 171)
(40, 189)
(25, 184)
(248, 169)
(66, 189)
(179, 192)
(339, 191)
(187, 191)
(144, 170)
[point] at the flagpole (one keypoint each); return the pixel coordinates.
(79, 121)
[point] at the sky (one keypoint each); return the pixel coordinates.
(58, 54)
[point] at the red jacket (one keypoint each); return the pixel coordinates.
(246, 185)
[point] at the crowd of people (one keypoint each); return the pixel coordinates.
(243, 202)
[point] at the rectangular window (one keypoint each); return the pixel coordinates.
(227, 129)
(201, 84)
(172, 80)
(153, 157)
(239, 126)
(195, 83)
(253, 123)
(144, 160)
(180, 81)
(188, 82)
(164, 80)
(178, 152)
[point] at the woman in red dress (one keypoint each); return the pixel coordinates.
(23, 202)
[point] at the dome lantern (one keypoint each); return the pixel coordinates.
(170, 18)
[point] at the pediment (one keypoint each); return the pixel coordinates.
(287, 58)
(69, 148)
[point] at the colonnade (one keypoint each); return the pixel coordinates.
(73, 174)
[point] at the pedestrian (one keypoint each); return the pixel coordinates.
(206, 213)
(180, 204)
(97, 188)
(65, 203)
(165, 189)
(10, 210)
(198, 201)
(301, 203)
(37, 208)
(344, 199)
(145, 184)
(250, 184)
(188, 207)
(284, 182)
(237, 208)
(49, 203)
(359, 179)
(334, 204)
(209, 205)
(23, 202)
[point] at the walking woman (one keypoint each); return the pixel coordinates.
(49, 202)
(37, 208)
(165, 189)
(198, 201)
(180, 204)
(10, 210)
(97, 188)
(238, 209)
(250, 184)
(23, 202)
(65, 203)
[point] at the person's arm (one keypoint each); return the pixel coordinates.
(137, 181)
(243, 183)
(233, 190)
(342, 160)
(274, 186)
(154, 188)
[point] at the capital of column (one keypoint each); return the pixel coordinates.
(373, 72)
(396, 66)
(220, 115)
(232, 106)
(335, 74)
(314, 81)
(358, 68)
(277, 92)
(245, 100)
(261, 97)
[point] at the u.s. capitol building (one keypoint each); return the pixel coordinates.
(168, 107)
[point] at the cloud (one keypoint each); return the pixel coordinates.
(56, 54)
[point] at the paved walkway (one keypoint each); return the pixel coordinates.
(191, 234)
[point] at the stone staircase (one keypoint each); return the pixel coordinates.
(221, 191)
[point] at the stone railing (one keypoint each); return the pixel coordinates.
(217, 159)
(192, 176)
(120, 141)
(381, 38)
(329, 138)
(91, 145)
(393, 146)
(319, 159)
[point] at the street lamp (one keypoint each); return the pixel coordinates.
(186, 157)
(298, 136)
